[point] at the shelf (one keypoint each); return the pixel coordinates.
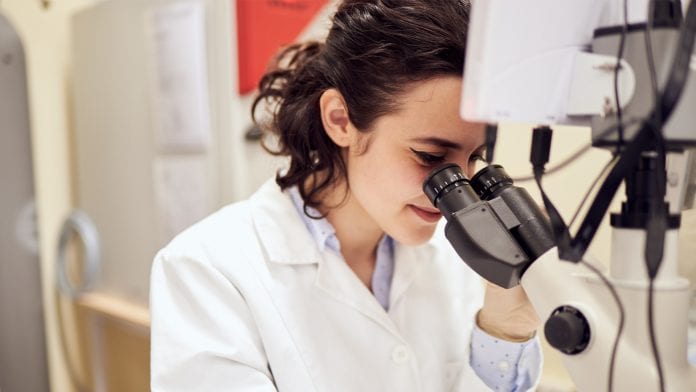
(116, 308)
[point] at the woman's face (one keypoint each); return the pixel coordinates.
(387, 169)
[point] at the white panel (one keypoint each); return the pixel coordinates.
(520, 55)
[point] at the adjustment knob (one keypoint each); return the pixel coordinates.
(567, 330)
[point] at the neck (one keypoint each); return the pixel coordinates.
(357, 232)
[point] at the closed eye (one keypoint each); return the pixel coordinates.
(477, 158)
(427, 158)
(477, 161)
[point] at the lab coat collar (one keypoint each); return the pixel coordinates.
(335, 278)
(408, 260)
(281, 230)
(287, 241)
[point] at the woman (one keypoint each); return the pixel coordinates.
(334, 276)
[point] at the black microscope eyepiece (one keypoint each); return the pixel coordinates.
(489, 181)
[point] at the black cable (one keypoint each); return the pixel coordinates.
(656, 226)
(558, 227)
(578, 153)
(670, 96)
(491, 136)
(653, 343)
(651, 62)
(654, 251)
(541, 145)
(619, 57)
(601, 175)
(539, 157)
(669, 99)
(619, 113)
(574, 248)
(622, 318)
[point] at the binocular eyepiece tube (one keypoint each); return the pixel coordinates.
(494, 226)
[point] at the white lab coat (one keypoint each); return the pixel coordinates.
(246, 301)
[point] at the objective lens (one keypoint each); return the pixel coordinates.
(448, 189)
(490, 181)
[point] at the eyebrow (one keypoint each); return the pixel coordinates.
(436, 141)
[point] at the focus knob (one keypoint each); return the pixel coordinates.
(567, 330)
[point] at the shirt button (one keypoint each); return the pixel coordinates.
(400, 355)
(503, 366)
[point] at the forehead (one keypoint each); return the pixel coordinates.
(429, 109)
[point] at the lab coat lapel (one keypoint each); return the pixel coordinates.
(408, 260)
(281, 230)
(286, 240)
(335, 277)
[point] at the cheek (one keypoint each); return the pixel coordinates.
(388, 181)
(418, 177)
(403, 176)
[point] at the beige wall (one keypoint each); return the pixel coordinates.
(45, 33)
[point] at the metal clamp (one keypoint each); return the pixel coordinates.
(79, 223)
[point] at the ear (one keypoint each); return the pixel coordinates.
(334, 116)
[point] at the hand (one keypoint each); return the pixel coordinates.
(507, 314)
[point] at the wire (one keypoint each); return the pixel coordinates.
(651, 60)
(653, 343)
(601, 175)
(619, 114)
(622, 318)
(658, 214)
(578, 153)
(619, 57)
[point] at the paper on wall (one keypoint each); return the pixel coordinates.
(176, 47)
(182, 193)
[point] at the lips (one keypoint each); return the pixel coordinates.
(428, 215)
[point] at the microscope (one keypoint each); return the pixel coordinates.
(628, 72)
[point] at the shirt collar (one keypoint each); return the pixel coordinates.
(321, 230)
(324, 233)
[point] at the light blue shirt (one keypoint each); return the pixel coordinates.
(502, 365)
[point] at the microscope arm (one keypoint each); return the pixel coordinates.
(565, 293)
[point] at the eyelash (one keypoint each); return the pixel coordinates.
(430, 159)
(477, 157)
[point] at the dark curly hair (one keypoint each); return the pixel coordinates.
(373, 52)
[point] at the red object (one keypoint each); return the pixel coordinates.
(265, 26)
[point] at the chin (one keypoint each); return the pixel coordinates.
(414, 237)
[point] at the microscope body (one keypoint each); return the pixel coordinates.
(551, 284)
(625, 79)
(582, 318)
